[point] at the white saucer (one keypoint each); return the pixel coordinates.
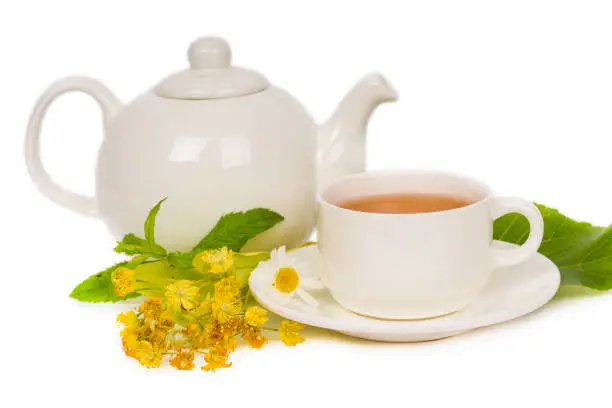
(511, 293)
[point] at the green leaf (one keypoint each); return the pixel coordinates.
(162, 269)
(181, 259)
(134, 245)
(131, 245)
(99, 288)
(582, 252)
(234, 229)
(149, 226)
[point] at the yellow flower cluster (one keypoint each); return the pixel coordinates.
(204, 316)
(145, 334)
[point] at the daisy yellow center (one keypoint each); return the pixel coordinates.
(286, 280)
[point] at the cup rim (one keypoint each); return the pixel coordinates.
(482, 186)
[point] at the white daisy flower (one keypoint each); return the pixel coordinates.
(287, 279)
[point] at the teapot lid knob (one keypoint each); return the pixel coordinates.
(211, 75)
(209, 52)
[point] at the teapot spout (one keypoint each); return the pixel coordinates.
(342, 138)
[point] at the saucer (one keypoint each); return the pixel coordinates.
(512, 292)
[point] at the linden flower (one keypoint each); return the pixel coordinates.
(148, 356)
(159, 338)
(227, 289)
(192, 330)
(123, 281)
(216, 260)
(213, 334)
(225, 312)
(216, 359)
(289, 332)
(181, 293)
(255, 316)
(183, 360)
(165, 321)
(129, 320)
(219, 337)
(199, 341)
(129, 342)
(203, 311)
(287, 280)
(254, 337)
(230, 344)
(151, 309)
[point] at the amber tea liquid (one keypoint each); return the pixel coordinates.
(404, 203)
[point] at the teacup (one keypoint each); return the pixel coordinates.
(418, 265)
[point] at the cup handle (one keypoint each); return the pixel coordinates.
(502, 206)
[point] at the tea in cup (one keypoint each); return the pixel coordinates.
(414, 245)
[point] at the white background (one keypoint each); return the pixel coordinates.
(518, 93)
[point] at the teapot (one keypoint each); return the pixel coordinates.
(213, 138)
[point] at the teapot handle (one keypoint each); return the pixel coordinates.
(46, 185)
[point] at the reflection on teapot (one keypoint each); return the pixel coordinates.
(213, 138)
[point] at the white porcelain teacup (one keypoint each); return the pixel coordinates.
(415, 266)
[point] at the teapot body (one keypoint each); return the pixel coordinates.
(214, 138)
(209, 157)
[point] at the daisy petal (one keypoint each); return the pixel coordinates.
(312, 283)
(306, 297)
(274, 256)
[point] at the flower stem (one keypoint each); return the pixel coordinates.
(246, 300)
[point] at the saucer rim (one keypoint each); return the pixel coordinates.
(373, 326)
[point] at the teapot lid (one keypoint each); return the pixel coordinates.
(211, 76)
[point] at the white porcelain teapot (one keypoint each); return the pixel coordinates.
(213, 139)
